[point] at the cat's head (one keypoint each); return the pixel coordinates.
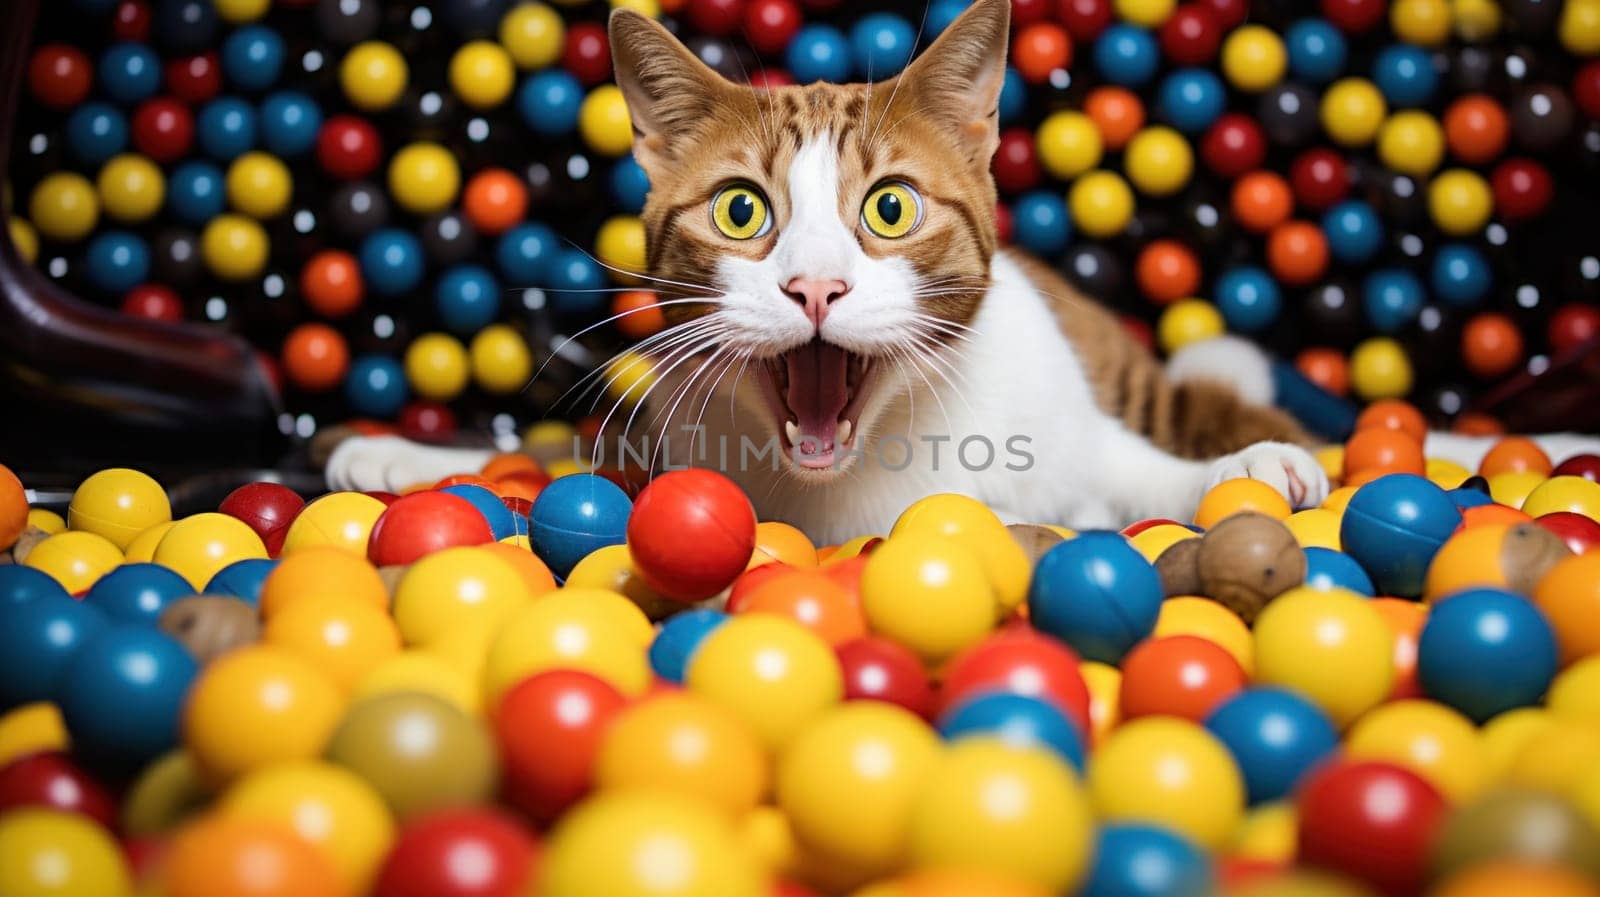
(841, 235)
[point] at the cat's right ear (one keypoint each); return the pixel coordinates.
(669, 91)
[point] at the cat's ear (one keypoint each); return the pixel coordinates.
(958, 79)
(667, 88)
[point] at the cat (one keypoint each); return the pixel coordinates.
(847, 336)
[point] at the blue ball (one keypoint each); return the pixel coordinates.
(1394, 526)
(502, 522)
(375, 386)
(1190, 99)
(122, 695)
(1393, 298)
(116, 261)
(130, 72)
(1013, 96)
(525, 254)
(629, 184)
(96, 132)
(1470, 498)
(290, 122)
(1138, 860)
(1329, 569)
(942, 12)
(137, 593)
(1460, 275)
(819, 53)
(1354, 232)
(196, 192)
(1486, 651)
(576, 515)
(1275, 736)
(1126, 55)
(1405, 75)
(468, 299)
(226, 128)
(37, 638)
(1317, 51)
(1248, 298)
(677, 639)
(577, 284)
(1016, 719)
(1097, 593)
(242, 579)
(19, 585)
(882, 43)
(252, 58)
(549, 102)
(391, 262)
(1042, 224)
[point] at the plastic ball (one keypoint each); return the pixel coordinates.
(1566, 596)
(1146, 861)
(59, 75)
(227, 856)
(259, 185)
(1405, 74)
(137, 593)
(40, 639)
(75, 559)
(616, 846)
(1018, 720)
(1209, 621)
(1516, 825)
(235, 248)
(1183, 676)
(1171, 773)
(1433, 741)
(593, 630)
(1460, 202)
(198, 546)
(48, 852)
(1126, 55)
(64, 207)
(1352, 111)
(1068, 144)
(1372, 821)
(576, 515)
(734, 666)
(420, 862)
(1187, 321)
(290, 123)
(1317, 51)
(1486, 651)
(454, 587)
(603, 121)
(1248, 299)
(373, 74)
(1394, 526)
(19, 585)
(549, 729)
(1411, 143)
(1329, 645)
(424, 178)
(119, 504)
(419, 752)
(344, 640)
(1380, 369)
(330, 807)
(131, 188)
(267, 508)
(226, 127)
(1042, 223)
(257, 707)
(1330, 569)
(1253, 58)
(122, 694)
(210, 625)
(1101, 203)
(1096, 593)
(49, 780)
(1275, 736)
(1159, 161)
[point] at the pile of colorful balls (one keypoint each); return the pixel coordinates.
(512, 685)
(388, 199)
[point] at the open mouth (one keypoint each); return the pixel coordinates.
(817, 391)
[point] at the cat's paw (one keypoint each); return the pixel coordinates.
(1287, 468)
(390, 464)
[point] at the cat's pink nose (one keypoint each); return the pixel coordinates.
(816, 295)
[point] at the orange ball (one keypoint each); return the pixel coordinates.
(1389, 451)
(1117, 112)
(1497, 879)
(527, 564)
(1039, 49)
(1167, 271)
(1405, 619)
(1515, 454)
(1261, 201)
(1297, 252)
(1232, 496)
(1179, 675)
(508, 463)
(640, 314)
(495, 201)
(331, 283)
(229, 856)
(315, 357)
(1394, 414)
(1569, 596)
(322, 573)
(1476, 128)
(1327, 368)
(1475, 423)
(814, 601)
(1485, 515)
(781, 542)
(468, 479)
(1491, 345)
(13, 508)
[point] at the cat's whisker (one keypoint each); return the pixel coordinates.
(697, 287)
(681, 392)
(655, 361)
(556, 352)
(679, 356)
(658, 342)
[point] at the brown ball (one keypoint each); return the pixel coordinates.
(1528, 552)
(1179, 568)
(1247, 560)
(210, 625)
(1034, 539)
(1517, 825)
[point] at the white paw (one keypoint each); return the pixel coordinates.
(1287, 468)
(390, 464)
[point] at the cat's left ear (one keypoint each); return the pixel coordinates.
(958, 79)
(669, 91)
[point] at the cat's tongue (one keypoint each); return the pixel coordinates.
(818, 392)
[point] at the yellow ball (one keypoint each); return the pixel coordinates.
(972, 523)
(328, 806)
(1514, 487)
(1580, 27)
(64, 207)
(344, 639)
(1575, 693)
(238, 12)
(50, 853)
(118, 503)
(30, 729)
(452, 587)
(259, 185)
(639, 844)
(928, 593)
(340, 520)
(1352, 111)
(234, 247)
(1380, 369)
(849, 781)
(1159, 161)
(1269, 834)
(533, 34)
(1101, 203)
(1566, 493)
(1315, 528)
(1339, 499)
(1425, 23)
(257, 707)
(131, 188)
(629, 377)
(419, 671)
(1331, 646)
(437, 366)
(1475, 20)
(620, 244)
(1506, 735)
(500, 358)
(1204, 618)
(1411, 142)
(1331, 459)
(1105, 698)
(75, 559)
(201, 544)
(1068, 144)
(46, 520)
(1254, 58)
(611, 568)
(424, 178)
(142, 549)
(773, 673)
(482, 74)
(651, 8)
(1187, 321)
(1153, 541)
(592, 630)
(1170, 772)
(373, 75)
(1557, 756)
(684, 744)
(1460, 201)
(25, 238)
(989, 806)
(1144, 13)
(603, 121)
(1446, 474)
(1430, 739)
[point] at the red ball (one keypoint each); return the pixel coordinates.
(60, 76)
(1019, 660)
(422, 523)
(388, 498)
(549, 728)
(771, 24)
(588, 53)
(163, 129)
(1027, 12)
(1233, 145)
(1190, 36)
(1320, 178)
(769, 78)
(425, 421)
(51, 780)
(1230, 14)
(1573, 325)
(1182, 675)
(476, 852)
(1004, 222)
(1134, 529)
(1586, 88)
(153, 301)
(131, 21)
(716, 17)
(1522, 189)
(1580, 533)
(195, 79)
(1586, 466)
(1354, 16)
(1016, 165)
(880, 669)
(1371, 821)
(267, 508)
(349, 147)
(691, 533)
(1084, 19)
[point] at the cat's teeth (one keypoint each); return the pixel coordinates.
(845, 429)
(792, 430)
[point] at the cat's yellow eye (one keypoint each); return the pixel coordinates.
(892, 210)
(740, 213)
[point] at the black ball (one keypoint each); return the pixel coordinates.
(1095, 270)
(1433, 342)
(1333, 313)
(344, 22)
(357, 209)
(472, 18)
(186, 26)
(1541, 116)
(1288, 114)
(427, 114)
(448, 238)
(1532, 17)
(175, 258)
(1398, 198)
(1476, 69)
(723, 58)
